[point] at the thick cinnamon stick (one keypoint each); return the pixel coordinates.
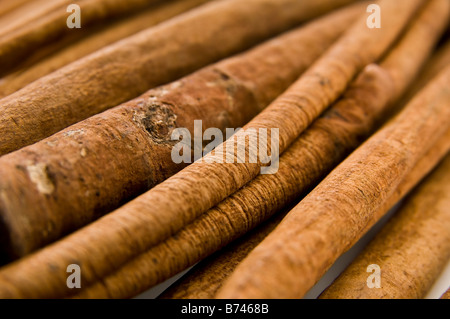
(86, 179)
(319, 229)
(411, 250)
(107, 78)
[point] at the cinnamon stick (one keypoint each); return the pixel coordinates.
(411, 250)
(446, 295)
(325, 143)
(86, 179)
(18, 42)
(206, 278)
(319, 229)
(7, 6)
(16, 17)
(106, 78)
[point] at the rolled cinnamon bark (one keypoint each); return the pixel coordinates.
(206, 278)
(225, 229)
(322, 226)
(112, 33)
(328, 140)
(7, 6)
(130, 67)
(96, 165)
(411, 250)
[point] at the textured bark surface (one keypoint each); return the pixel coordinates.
(168, 207)
(204, 280)
(99, 163)
(411, 250)
(421, 169)
(112, 33)
(207, 277)
(319, 229)
(438, 61)
(7, 6)
(106, 78)
(327, 141)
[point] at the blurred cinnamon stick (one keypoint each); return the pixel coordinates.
(317, 231)
(118, 30)
(328, 140)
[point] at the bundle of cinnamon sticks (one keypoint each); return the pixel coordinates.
(344, 108)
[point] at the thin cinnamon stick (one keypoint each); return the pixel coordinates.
(119, 30)
(206, 278)
(86, 179)
(411, 250)
(107, 78)
(438, 61)
(318, 230)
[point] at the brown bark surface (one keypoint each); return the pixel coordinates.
(327, 141)
(207, 278)
(106, 78)
(171, 205)
(107, 35)
(73, 177)
(322, 226)
(411, 250)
